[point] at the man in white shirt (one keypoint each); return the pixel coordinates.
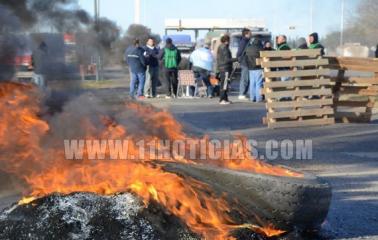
(202, 61)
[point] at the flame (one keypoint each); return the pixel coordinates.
(26, 200)
(32, 149)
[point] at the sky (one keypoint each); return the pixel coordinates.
(279, 15)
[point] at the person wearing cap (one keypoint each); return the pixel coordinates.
(171, 58)
(134, 56)
(313, 39)
(202, 61)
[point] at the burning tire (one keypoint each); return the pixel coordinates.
(287, 203)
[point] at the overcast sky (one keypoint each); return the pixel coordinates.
(279, 15)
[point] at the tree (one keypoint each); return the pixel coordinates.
(361, 29)
(135, 31)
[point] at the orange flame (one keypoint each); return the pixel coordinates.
(31, 148)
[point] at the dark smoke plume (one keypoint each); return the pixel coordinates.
(20, 18)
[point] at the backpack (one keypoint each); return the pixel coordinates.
(170, 58)
(252, 53)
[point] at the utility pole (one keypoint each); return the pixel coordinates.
(342, 22)
(137, 12)
(98, 59)
(311, 15)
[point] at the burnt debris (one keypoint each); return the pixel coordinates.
(90, 216)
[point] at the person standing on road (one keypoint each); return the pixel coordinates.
(137, 64)
(283, 46)
(282, 43)
(376, 52)
(152, 74)
(268, 46)
(171, 57)
(202, 61)
(313, 39)
(225, 64)
(244, 79)
(255, 71)
(301, 43)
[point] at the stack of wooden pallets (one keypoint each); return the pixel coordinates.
(297, 88)
(355, 89)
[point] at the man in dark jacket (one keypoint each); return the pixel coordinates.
(376, 52)
(244, 79)
(313, 39)
(152, 59)
(225, 63)
(137, 64)
(171, 57)
(301, 43)
(255, 71)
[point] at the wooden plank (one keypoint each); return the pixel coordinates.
(302, 113)
(300, 73)
(303, 123)
(363, 80)
(299, 93)
(352, 117)
(302, 103)
(354, 104)
(359, 90)
(291, 53)
(296, 63)
(299, 83)
(354, 64)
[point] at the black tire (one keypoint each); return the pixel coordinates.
(287, 203)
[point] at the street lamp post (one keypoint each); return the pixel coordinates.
(137, 12)
(342, 22)
(312, 15)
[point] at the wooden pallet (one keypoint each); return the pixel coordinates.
(355, 96)
(304, 100)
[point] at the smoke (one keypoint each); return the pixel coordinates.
(63, 15)
(8, 43)
(19, 19)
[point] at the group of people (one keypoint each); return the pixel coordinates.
(144, 63)
(249, 51)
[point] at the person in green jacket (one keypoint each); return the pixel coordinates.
(283, 46)
(282, 43)
(313, 39)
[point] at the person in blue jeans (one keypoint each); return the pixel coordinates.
(255, 85)
(244, 80)
(252, 53)
(137, 64)
(152, 74)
